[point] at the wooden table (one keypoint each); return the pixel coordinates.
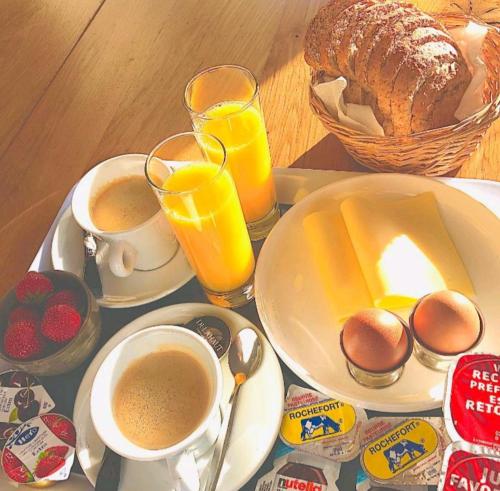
(83, 80)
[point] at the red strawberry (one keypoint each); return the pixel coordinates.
(63, 428)
(61, 323)
(14, 468)
(23, 313)
(22, 341)
(59, 450)
(34, 288)
(48, 465)
(63, 297)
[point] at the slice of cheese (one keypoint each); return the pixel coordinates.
(404, 249)
(336, 263)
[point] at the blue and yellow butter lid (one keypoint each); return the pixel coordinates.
(405, 451)
(317, 424)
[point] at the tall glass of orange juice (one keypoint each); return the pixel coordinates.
(224, 101)
(189, 174)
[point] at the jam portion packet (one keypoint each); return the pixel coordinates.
(472, 400)
(22, 397)
(363, 483)
(470, 468)
(316, 424)
(298, 470)
(41, 449)
(403, 451)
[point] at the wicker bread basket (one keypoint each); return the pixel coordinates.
(433, 152)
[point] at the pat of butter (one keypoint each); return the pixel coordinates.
(316, 424)
(336, 262)
(404, 249)
(403, 451)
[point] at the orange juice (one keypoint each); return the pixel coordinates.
(242, 130)
(207, 219)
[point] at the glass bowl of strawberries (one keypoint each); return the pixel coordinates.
(49, 323)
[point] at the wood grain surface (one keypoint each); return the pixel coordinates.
(36, 37)
(83, 80)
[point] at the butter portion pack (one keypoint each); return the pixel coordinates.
(365, 252)
(403, 451)
(316, 424)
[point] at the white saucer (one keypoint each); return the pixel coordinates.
(257, 419)
(294, 309)
(137, 289)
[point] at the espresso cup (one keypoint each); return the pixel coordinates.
(120, 358)
(144, 247)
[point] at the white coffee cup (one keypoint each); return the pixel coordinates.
(145, 247)
(119, 359)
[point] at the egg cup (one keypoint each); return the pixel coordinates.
(434, 359)
(379, 379)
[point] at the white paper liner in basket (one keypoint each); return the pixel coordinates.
(361, 118)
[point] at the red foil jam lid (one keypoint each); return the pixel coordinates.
(472, 400)
(40, 449)
(470, 468)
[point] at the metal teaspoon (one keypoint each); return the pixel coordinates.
(245, 355)
(90, 270)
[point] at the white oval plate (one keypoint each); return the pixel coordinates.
(293, 307)
(137, 289)
(257, 419)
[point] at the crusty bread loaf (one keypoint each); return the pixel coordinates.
(396, 58)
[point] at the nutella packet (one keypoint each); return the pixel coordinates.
(363, 483)
(22, 397)
(472, 400)
(40, 450)
(298, 470)
(316, 424)
(403, 451)
(470, 468)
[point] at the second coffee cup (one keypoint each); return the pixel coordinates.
(157, 395)
(114, 202)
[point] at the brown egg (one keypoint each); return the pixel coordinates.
(446, 322)
(375, 340)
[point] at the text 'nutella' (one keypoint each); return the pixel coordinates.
(299, 471)
(300, 476)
